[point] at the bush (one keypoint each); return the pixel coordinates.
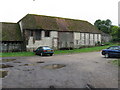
(98, 43)
(116, 40)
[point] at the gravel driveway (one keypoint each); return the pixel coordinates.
(77, 71)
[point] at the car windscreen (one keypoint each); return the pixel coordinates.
(46, 48)
(114, 48)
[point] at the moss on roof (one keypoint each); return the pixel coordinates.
(32, 21)
(11, 32)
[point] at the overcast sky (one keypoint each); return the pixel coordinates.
(89, 10)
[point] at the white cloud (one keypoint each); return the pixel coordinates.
(90, 10)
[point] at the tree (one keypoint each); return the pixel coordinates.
(108, 22)
(107, 27)
(115, 32)
(118, 34)
(98, 23)
(104, 25)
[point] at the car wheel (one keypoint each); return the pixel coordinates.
(51, 54)
(107, 55)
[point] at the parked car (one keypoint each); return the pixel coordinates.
(113, 51)
(44, 50)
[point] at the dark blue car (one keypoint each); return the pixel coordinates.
(44, 50)
(113, 51)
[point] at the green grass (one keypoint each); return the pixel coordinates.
(116, 62)
(90, 49)
(15, 54)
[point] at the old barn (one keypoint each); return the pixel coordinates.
(57, 33)
(11, 40)
(33, 31)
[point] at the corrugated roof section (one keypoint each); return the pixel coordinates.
(11, 32)
(32, 21)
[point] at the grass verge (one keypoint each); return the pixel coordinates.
(116, 62)
(15, 54)
(90, 49)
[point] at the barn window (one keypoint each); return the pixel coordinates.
(84, 38)
(80, 36)
(89, 38)
(93, 36)
(31, 33)
(98, 37)
(47, 33)
(77, 42)
(37, 35)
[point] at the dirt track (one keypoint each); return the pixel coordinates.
(80, 69)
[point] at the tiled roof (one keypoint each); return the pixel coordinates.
(32, 21)
(10, 32)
